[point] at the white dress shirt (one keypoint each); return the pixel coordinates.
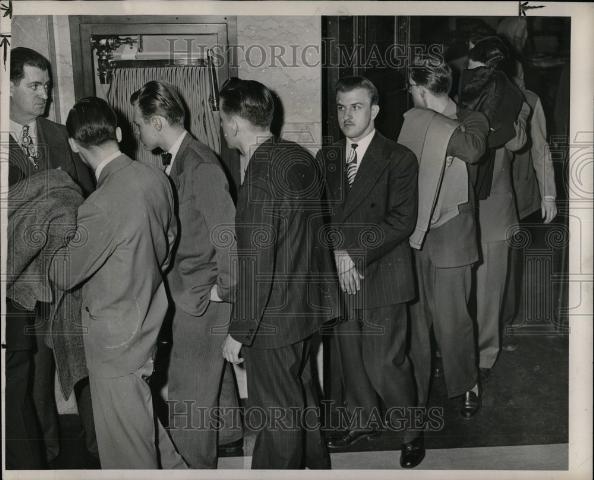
(16, 129)
(174, 149)
(362, 146)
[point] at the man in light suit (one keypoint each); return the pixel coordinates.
(37, 144)
(201, 279)
(371, 188)
(124, 237)
(281, 295)
(450, 248)
(533, 181)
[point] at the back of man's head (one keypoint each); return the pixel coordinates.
(432, 73)
(92, 123)
(162, 99)
(21, 56)
(250, 100)
(491, 51)
(347, 84)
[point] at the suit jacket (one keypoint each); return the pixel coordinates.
(54, 152)
(284, 289)
(124, 236)
(43, 208)
(533, 172)
(455, 243)
(374, 218)
(497, 213)
(206, 243)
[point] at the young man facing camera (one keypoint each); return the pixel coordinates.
(371, 188)
(123, 241)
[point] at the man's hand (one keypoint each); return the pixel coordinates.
(231, 349)
(348, 276)
(548, 209)
(214, 294)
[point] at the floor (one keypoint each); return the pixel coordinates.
(526, 457)
(523, 423)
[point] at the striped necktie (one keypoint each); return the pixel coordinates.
(352, 164)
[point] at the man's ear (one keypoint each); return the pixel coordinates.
(157, 122)
(118, 132)
(374, 111)
(423, 91)
(12, 87)
(73, 145)
(234, 126)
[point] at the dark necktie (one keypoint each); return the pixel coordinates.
(166, 158)
(352, 164)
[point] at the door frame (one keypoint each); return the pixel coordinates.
(82, 27)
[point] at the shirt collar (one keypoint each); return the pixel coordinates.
(362, 145)
(174, 149)
(450, 110)
(17, 129)
(104, 163)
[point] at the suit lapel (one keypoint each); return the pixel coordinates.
(50, 154)
(16, 154)
(372, 165)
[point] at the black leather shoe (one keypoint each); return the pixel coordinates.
(350, 438)
(232, 449)
(471, 403)
(412, 453)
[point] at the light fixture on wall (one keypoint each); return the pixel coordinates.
(104, 47)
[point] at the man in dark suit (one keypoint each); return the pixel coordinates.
(201, 279)
(371, 188)
(125, 234)
(37, 144)
(486, 88)
(445, 256)
(280, 298)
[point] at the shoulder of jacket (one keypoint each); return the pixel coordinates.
(47, 124)
(401, 156)
(396, 149)
(202, 152)
(465, 114)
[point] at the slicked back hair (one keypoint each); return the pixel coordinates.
(433, 74)
(347, 84)
(160, 98)
(248, 99)
(92, 122)
(21, 56)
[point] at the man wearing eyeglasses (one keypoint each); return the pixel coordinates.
(36, 144)
(449, 142)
